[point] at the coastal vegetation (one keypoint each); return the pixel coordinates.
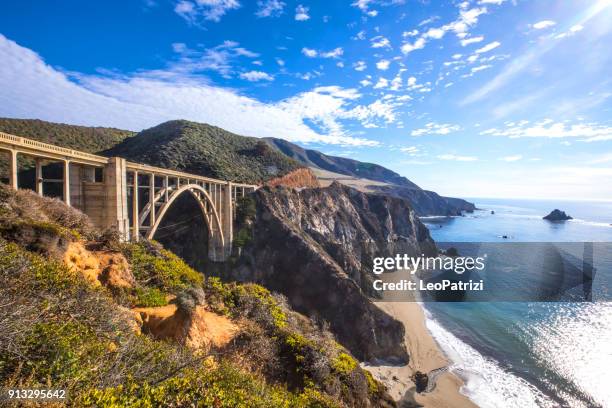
(117, 324)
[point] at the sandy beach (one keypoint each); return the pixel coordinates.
(425, 356)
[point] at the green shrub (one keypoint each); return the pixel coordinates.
(222, 386)
(344, 364)
(150, 297)
(152, 265)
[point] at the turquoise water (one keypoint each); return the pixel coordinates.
(528, 354)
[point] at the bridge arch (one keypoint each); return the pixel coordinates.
(209, 212)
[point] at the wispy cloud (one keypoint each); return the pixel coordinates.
(513, 158)
(433, 128)
(380, 42)
(471, 40)
(360, 66)
(195, 11)
(489, 47)
(455, 157)
(269, 8)
(540, 25)
(312, 53)
(587, 132)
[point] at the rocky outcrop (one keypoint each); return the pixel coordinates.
(297, 178)
(309, 245)
(427, 202)
(557, 215)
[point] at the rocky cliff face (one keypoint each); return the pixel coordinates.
(309, 245)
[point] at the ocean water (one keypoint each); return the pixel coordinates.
(518, 354)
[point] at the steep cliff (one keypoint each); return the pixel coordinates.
(310, 244)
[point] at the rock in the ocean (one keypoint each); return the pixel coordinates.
(557, 215)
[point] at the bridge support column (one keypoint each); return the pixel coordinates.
(13, 181)
(39, 177)
(135, 209)
(227, 220)
(115, 186)
(66, 182)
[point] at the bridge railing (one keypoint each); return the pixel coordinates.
(54, 152)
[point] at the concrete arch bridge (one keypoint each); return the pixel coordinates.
(131, 197)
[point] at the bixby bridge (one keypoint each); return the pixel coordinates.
(130, 197)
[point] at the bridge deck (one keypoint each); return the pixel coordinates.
(49, 151)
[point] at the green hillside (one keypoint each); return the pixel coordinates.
(87, 139)
(206, 150)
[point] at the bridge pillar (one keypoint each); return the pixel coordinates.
(13, 169)
(66, 182)
(115, 186)
(39, 177)
(227, 221)
(135, 209)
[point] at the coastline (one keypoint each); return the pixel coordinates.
(425, 356)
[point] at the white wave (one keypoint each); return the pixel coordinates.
(592, 223)
(486, 383)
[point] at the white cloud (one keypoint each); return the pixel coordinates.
(488, 47)
(335, 53)
(410, 150)
(213, 10)
(360, 35)
(254, 76)
(480, 68)
(360, 66)
(428, 20)
(576, 28)
(572, 31)
(457, 157)
(383, 65)
(586, 132)
(471, 40)
(365, 82)
(412, 33)
(461, 26)
(309, 52)
(433, 128)
(514, 158)
(496, 2)
(280, 62)
(540, 25)
(269, 8)
(382, 83)
(301, 13)
(380, 42)
(435, 33)
(29, 88)
(219, 59)
(417, 45)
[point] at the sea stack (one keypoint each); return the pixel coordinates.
(557, 215)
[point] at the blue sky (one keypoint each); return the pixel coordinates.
(490, 98)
